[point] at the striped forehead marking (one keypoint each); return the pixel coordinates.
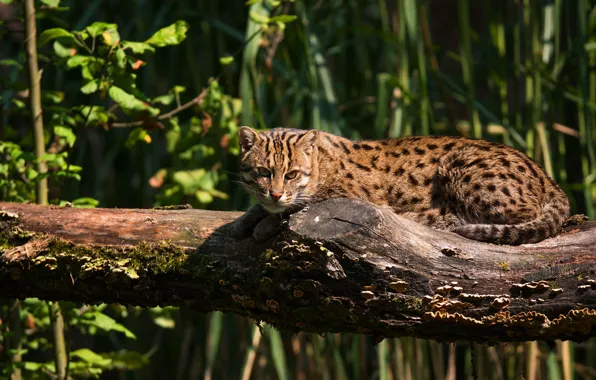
(278, 147)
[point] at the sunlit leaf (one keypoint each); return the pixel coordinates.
(90, 357)
(51, 34)
(136, 135)
(52, 96)
(170, 35)
(121, 58)
(105, 323)
(129, 102)
(283, 18)
(94, 114)
(258, 18)
(51, 3)
(137, 47)
(11, 62)
(111, 37)
(204, 196)
(78, 60)
(164, 99)
(85, 202)
(226, 60)
(126, 360)
(66, 133)
(97, 28)
(90, 87)
(63, 51)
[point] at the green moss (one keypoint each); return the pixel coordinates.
(11, 234)
(409, 303)
(160, 257)
(504, 265)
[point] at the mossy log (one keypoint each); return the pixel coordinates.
(339, 266)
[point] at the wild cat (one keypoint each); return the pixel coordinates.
(481, 190)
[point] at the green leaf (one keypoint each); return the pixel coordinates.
(63, 51)
(258, 18)
(129, 102)
(11, 62)
(90, 87)
(85, 202)
(97, 28)
(51, 34)
(137, 47)
(105, 323)
(111, 37)
(283, 18)
(78, 60)
(204, 196)
(51, 3)
(121, 58)
(162, 317)
(219, 194)
(170, 35)
(193, 180)
(18, 103)
(136, 135)
(163, 99)
(590, 46)
(94, 115)
(127, 360)
(65, 133)
(91, 357)
(31, 366)
(226, 60)
(52, 96)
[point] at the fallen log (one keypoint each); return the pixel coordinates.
(339, 266)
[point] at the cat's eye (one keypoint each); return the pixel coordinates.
(263, 172)
(291, 175)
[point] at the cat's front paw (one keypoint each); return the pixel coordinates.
(245, 225)
(269, 227)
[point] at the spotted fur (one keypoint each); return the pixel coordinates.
(478, 189)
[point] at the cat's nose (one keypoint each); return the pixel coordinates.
(275, 196)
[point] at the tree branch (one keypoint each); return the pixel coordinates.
(198, 100)
(340, 266)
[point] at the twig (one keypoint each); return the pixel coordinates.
(35, 98)
(40, 151)
(14, 324)
(60, 354)
(197, 100)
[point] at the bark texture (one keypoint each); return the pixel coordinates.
(340, 266)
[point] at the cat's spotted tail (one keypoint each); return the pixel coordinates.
(555, 210)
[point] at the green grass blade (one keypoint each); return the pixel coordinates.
(467, 63)
(383, 359)
(249, 70)
(382, 114)
(277, 352)
(213, 342)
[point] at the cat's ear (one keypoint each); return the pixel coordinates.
(308, 140)
(247, 138)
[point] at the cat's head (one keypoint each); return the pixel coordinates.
(276, 166)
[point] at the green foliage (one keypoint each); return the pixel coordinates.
(17, 173)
